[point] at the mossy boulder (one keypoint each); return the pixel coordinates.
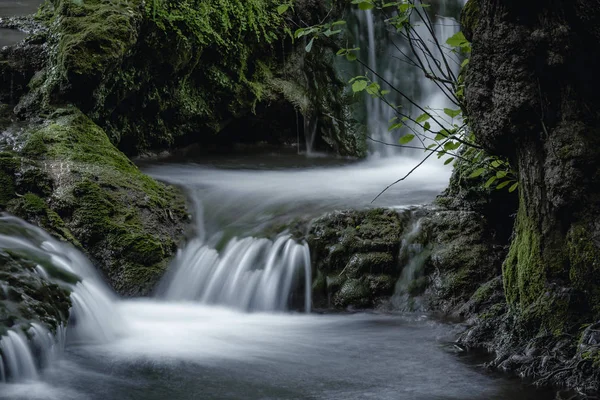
(69, 179)
(355, 256)
(157, 75)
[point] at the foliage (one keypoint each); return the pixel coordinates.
(444, 133)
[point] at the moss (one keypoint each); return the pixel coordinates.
(584, 271)
(125, 219)
(551, 313)
(524, 271)
(8, 167)
(354, 292)
(34, 209)
(469, 18)
(142, 248)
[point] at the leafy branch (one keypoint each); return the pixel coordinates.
(445, 132)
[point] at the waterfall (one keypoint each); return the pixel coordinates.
(414, 254)
(383, 51)
(249, 274)
(93, 317)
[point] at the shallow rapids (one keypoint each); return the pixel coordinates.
(188, 351)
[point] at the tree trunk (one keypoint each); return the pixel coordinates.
(532, 94)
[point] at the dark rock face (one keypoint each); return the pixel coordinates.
(531, 96)
(159, 75)
(532, 99)
(359, 257)
(26, 296)
(463, 254)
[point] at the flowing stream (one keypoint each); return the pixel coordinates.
(191, 341)
(220, 325)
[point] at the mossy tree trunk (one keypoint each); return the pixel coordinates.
(532, 96)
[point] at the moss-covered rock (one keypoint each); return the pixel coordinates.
(355, 256)
(160, 74)
(463, 255)
(26, 296)
(70, 180)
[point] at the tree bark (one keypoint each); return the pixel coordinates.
(532, 95)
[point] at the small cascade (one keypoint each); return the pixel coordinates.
(249, 274)
(415, 255)
(17, 358)
(311, 124)
(93, 317)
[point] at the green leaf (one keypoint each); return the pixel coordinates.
(395, 126)
(452, 113)
(309, 45)
(457, 40)
(496, 163)
(503, 185)
(477, 172)
(282, 8)
(465, 62)
(384, 92)
(373, 89)
(329, 32)
(338, 23)
(448, 161)
(341, 52)
(422, 118)
(406, 138)
(426, 126)
(501, 174)
(513, 187)
(351, 57)
(489, 182)
(431, 146)
(365, 6)
(359, 86)
(450, 146)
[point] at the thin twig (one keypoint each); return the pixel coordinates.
(408, 174)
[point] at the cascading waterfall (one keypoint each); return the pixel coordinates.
(383, 52)
(249, 274)
(93, 316)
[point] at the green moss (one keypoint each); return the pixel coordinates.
(584, 257)
(524, 271)
(354, 292)
(33, 208)
(469, 18)
(8, 167)
(142, 248)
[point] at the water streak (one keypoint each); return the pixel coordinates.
(93, 317)
(249, 274)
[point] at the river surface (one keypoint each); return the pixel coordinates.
(9, 8)
(186, 351)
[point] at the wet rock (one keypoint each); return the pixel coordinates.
(355, 256)
(64, 175)
(27, 296)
